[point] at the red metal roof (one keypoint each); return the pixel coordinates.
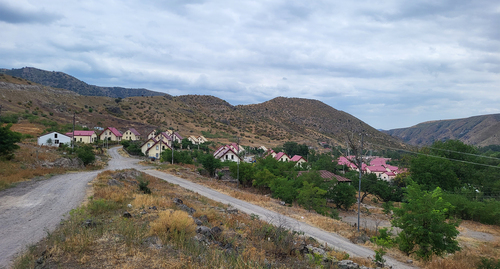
(114, 131)
(279, 155)
(297, 158)
(134, 131)
(376, 169)
(328, 175)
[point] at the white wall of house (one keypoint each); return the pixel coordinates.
(230, 157)
(56, 139)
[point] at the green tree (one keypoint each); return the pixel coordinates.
(8, 140)
(210, 163)
(246, 172)
(342, 195)
(285, 189)
(292, 148)
(86, 154)
(263, 178)
(311, 197)
(424, 227)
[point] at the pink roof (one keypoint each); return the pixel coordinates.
(81, 133)
(297, 158)
(178, 135)
(279, 155)
(391, 174)
(134, 131)
(114, 131)
(328, 175)
(391, 167)
(376, 168)
(224, 152)
(379, 161)
(154, 141)
(343, 161)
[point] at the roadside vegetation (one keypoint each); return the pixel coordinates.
(122, 226)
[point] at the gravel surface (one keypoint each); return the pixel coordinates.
(31, 209)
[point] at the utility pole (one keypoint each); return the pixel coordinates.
(360, 167)
(73, 137)
(172, 137)
(238, 165)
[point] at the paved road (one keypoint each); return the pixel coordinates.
(30, 209)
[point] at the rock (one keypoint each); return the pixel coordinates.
(153, 208)
(361, 239)
(204, 230)
(143, 212)
(232, 210)
(186, 208)
(315, 250)
(89, 224)
(216, 230)
(153, 242)
(347, 264)
(127, 215)
(129, 206)
(198, 222)
(201, 238)
(114, 182)
(178, 201)
(282, 203)
(409, 261)
(203, 218)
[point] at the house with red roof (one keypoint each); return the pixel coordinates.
(388, 176)
(165, 137)
(111, 134)
(151, 134)
(282, 157)
(226, 153)
(299, 159)
(86, 137)
(176, 137)
(327, 175)
(377, 170)
(131, 134)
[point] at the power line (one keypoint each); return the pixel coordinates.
(471, 154)
(439, 157)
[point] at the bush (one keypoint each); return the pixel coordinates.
(8, 140)
(176, 222)
(86, 154)
(343, 195)
(9, 118)
(143, 186)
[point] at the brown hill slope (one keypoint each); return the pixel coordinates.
(479, 130)
(270, 123)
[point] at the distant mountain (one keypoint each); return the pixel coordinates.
(64, 81)
(479, 130)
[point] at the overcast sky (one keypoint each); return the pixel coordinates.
(392, 64)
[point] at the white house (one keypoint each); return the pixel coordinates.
(226, 153)
(53, 139)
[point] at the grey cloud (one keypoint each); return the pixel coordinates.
(19, 14)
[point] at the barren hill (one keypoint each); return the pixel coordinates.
(65, 81)
(479, 130)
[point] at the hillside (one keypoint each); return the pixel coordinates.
(270, 123)
(479, 130)
(65, 81)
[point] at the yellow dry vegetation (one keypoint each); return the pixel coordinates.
(173, 222)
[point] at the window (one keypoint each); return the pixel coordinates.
(56, 141)
(227, 157)
(55, 135)
(80, 139)
(148, 145)
(163, 147)
(232, 157)
(157, 147)
(156, 155)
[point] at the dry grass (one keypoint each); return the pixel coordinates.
(169, 222)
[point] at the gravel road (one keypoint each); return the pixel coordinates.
(30, 209)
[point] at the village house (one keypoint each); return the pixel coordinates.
(282, 157)
(151, 134)
(166, 138)
(193, 139)
(146, 145)
(86, 137)
(156, 149)
(176, 137)
(299, 159)
(53, 139)
(111, 134)
(227, 153)
(132, 134)
(202, 139)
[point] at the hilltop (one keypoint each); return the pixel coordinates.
(478, 130)
(65, 81)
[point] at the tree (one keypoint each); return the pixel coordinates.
(285, 189)
(311, 197)
(86, 154)
(292, 148)
(263, 178)
(342, 195)
(246, 172)
(8, 140)
(210, 163)
(425, 229)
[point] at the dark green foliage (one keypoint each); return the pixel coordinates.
(180, 156)
(132, 147)
(143, 186)
(489, 263)
(246, 172)
(8, 140)
(292, 149)
(342, 195)
(285, 189)
(324, 162)
(432, 172)
(312, 197)
(9, 118)
(422, 219)
(263, 178)
(86, 154)
(186, 143)
(210, 163)
(467, 207)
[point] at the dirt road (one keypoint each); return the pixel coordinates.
(29, 210)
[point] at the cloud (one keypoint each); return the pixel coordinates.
(21, 12)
